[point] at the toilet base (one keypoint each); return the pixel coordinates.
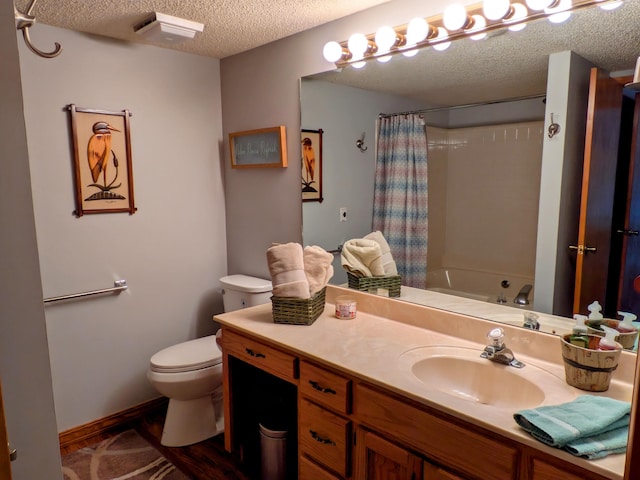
(191, 421)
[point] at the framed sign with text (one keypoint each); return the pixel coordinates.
(264, 147)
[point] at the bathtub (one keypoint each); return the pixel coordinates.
(478, 285)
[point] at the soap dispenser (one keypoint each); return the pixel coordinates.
(578, 335)
(625, 326)
(595, 313)
(609, 340)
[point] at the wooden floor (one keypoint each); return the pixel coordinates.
(206, 460)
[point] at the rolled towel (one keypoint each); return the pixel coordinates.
(388, 262)
(362, 258)
(317, 267)
(286, 266)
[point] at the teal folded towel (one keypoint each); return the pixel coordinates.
(589, 426)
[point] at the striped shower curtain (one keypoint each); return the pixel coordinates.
(400, 195)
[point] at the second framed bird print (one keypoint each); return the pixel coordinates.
(102, 161)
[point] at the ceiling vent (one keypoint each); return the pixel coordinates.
(159, 27)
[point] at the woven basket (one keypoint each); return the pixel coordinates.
(298, 311)
(373, 284)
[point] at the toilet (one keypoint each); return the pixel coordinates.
(190, 373)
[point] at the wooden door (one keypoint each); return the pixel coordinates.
(5, 462)
(629, 298)
(379, 459)
(593, 247)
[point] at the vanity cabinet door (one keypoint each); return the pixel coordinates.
(433, 472)
(379, 459)
(324, 437)
(326, 388)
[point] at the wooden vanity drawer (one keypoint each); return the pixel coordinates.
(325, 437)
(267, 358)
(310, 470)
(324, 387)
(441, 440)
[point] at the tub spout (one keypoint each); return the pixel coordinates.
(523, 295)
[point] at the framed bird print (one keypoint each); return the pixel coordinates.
(311, 141)
(102, 161)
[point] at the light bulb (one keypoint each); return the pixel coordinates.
(495, 9)
(358, 44)
(539, 4)
(410, 53)
(478, 23)
(332, 51)
(358, 65)
(454, 17)
(559, 13)
(385, 39)
(611, 5)
(417, 31)
(442, 33)
(519, 12)
(384, 58)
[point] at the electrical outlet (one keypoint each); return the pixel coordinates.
(343, 214)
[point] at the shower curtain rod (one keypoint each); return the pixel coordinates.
(456, 107)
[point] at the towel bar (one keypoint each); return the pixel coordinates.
(337, 251)
(118, 286)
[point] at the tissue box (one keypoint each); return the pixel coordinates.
(390, 283)
(298, 311)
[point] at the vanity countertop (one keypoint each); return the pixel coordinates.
(371, 347)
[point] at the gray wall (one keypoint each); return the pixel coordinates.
(171, 252)
(24, 356)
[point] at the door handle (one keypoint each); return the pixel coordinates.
(628, 232)
(13, 453)
(582, 249)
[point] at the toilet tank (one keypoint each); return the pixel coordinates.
(241, 291)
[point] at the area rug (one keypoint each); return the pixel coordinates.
(123, 456)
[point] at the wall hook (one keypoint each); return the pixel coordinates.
(360, 143)
(554, 128)
(24, 21)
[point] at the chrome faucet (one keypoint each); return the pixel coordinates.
(523, 295)
(498, 352)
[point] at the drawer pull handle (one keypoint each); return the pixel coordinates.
(319, 439)
(255, 354)
(321, 389)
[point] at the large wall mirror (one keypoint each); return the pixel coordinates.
(503, 209)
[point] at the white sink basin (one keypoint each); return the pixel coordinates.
(461, 372)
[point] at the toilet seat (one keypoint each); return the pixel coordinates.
(187, 356)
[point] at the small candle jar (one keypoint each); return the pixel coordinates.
(345, 307)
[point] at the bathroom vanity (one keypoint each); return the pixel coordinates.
(359, 403)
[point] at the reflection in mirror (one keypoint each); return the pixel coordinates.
(503, 195)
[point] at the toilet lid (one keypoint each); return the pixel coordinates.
(187, 356)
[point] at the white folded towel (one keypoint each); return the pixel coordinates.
(362, 258)
(388, 262)
(286, 266)
(317, 267)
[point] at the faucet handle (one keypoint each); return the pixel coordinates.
(496, 336)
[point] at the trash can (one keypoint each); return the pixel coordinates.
(273, 453)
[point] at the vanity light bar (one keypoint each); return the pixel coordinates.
(361, 48)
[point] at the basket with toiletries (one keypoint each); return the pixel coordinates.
(590, 360)
(376, 285)
(627, 332)
(298, 311)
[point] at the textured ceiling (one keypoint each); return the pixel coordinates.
(506, 65)
(231, 26)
